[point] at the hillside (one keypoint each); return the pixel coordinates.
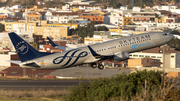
(31, 3)
(112, 3)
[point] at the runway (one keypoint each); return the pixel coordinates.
(39, 84)
(47, 84)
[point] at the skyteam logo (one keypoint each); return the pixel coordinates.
(139, 45)
(22, 47)
(72, 55)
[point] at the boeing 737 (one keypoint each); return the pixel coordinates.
(115, 50)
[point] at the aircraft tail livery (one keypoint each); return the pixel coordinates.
(24, 50)
(115, 50)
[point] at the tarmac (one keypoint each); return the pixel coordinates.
(87, 72)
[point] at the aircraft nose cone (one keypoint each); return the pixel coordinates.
(171, 36)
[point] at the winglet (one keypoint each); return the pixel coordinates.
(51, 42)
(93, 52)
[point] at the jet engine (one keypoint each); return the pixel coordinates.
(120, 56)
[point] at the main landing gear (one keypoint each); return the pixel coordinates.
(99, 65)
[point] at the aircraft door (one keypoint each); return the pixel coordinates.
(157, 37)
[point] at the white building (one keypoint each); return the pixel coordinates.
(16, 7)
(123, 8)
(172, 57)
(5, 56)
(8, 11)
(142, 16)
(167, 8)
(107, 25)
(6, 42)
(116, 18)
(81, 2)
(24, 14)
(60, 17)
(168, 25)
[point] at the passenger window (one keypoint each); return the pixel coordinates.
(165, 34)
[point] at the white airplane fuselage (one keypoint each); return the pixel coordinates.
(83, 55)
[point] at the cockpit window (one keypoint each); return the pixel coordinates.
(165, 34)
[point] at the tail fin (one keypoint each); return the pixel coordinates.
(25, 50)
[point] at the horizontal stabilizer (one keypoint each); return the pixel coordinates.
(15, 62)
(58, 46)
(31, 64)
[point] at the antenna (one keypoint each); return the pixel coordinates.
(132, 4)
(26, 19)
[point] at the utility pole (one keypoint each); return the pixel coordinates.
(26, 19)
(24, 73)
(163, 59)
(132, 4)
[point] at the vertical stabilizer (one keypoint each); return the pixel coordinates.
(24, 50)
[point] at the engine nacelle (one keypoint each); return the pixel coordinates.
(120, 56)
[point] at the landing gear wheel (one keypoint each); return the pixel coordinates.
(100, 66)
(93, 65)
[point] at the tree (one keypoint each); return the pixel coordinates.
(115, 3)
(175, 43)
(85, 31)
(175, 32)
(90, 29)
(102, 28)
(72, 21)
(97, 1)
(105, 6)
(157, 16)
(131, 24)
(1, 27)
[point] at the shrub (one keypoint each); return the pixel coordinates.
(123, 86)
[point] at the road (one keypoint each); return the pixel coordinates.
(39, 84)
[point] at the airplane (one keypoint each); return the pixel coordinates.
(115, 50)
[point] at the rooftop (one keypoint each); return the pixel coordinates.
(157, 50)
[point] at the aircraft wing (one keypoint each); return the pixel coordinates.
(116, 57)
(58, 46)
(98, 56)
